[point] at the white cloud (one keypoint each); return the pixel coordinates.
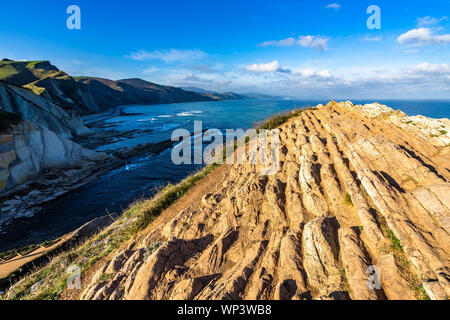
(191, 79)
(150, 70)
(208, 69)
(280, 43)
(417, 77)
(424, 80)
(317, 42)
(429, 21)
(372, 39)
(168, 56)
(431, 68)
(310, 73)
(335, 6)
(422, 37)
(273, 66)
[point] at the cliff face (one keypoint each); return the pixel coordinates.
(48, 81)
(357, 200)
(28, 149)
(25, 104)
(86, 95)
(35, 135)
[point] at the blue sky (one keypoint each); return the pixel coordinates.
(305, 49)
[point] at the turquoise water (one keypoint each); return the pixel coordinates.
(143, 174)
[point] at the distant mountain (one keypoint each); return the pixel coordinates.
(234, 96)
(261, 96)
(195, 89)
(108, 93)
(88, 94)
(217, 95)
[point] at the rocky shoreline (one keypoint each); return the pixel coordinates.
(358, 186)
(353, 192)
(29, 199)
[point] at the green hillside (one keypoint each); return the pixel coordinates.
(26, 73)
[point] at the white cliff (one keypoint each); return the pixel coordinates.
(29, 149)
(28, 105)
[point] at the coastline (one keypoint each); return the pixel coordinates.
(396, 118)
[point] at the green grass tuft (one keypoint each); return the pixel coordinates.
(347, 200)
(278, 119)
(395, 242)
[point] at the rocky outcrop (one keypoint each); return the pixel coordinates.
(38, 161)
(358, 210)
(435, 131)
(29, 149)
(37, 165)
(24, 103)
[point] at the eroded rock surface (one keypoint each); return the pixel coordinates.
(43, 112)
(37, 166)
(358, 210)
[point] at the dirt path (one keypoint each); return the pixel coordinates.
(9, 266)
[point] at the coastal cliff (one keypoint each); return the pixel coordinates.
(37, 165)
(47, 81)
(35, 137)
(358, 197)
(27, 149)
(27, 105)
(87, 95)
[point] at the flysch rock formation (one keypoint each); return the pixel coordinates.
(30, 153)
(26, 104)
(29, 149)
(358, 210)
(38, 161)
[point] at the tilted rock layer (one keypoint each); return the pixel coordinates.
(28, 149)
(358, 210)
(24, 103)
